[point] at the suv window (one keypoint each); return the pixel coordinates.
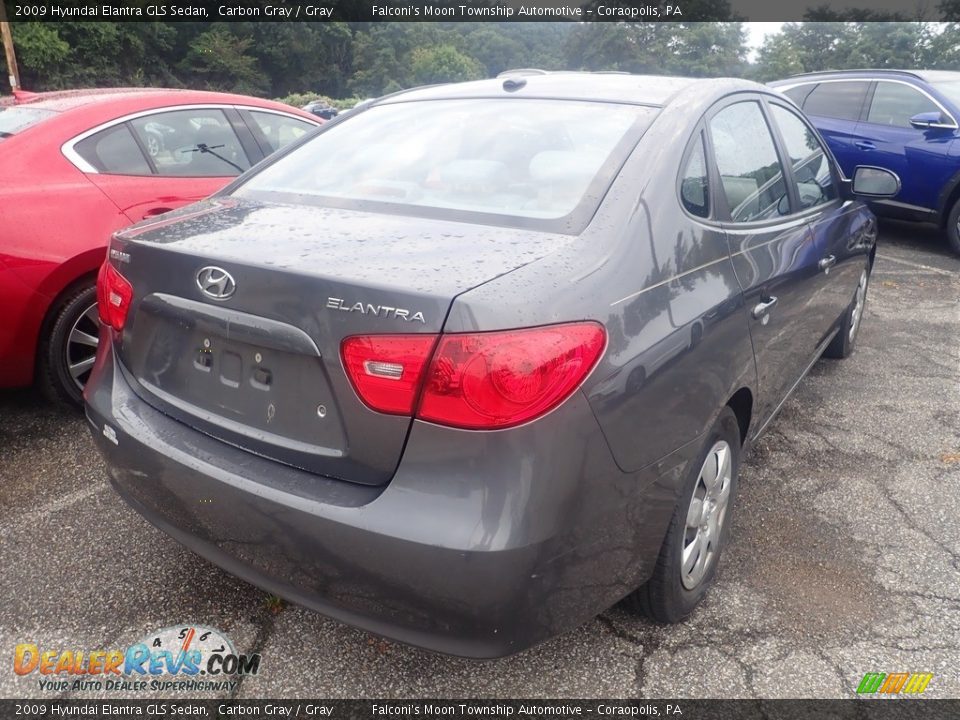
(840, 100)
(113, 151)
(280, 130)
(191, 143)
(799, 93)
(894, 104)
(694, 187)
(811, 166)
(750, 169)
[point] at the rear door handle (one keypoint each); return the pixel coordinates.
(761, 308)
(865, 145)
(826, 263)
(156, 211)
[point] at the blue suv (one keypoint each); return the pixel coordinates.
(905, 121)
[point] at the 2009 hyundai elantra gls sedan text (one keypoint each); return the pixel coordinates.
(475, 362)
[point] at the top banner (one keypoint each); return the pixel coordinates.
(479, 10)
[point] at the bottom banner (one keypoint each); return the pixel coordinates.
(856, 709)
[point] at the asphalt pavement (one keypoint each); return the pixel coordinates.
(844, 555)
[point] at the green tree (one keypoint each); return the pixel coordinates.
(777, 58)
(707, 49)
(219, 60)
(443, 63)
(629, 47)
(40, 52)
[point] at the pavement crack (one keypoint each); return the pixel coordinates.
(647, 645)
(922, 530)
(266, 625)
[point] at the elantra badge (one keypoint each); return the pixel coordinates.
(216, 283)
(379, 310)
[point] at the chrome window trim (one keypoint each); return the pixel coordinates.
(922, 91)
(68, 149)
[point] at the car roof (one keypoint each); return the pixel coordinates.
(64, 100)
(871, 74)
(650, 90)
(75, 111)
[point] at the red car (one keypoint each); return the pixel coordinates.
(76, 166)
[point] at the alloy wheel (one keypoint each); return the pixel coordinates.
(81, 346)
(706, 514)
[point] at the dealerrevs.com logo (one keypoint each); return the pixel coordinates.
(894, 683)
(187, 658)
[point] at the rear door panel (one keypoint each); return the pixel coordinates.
(778, 262)
(773, 252)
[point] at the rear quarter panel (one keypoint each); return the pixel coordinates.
(663, 286)
(56, 225)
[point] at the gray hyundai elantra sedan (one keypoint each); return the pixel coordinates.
(475, 362)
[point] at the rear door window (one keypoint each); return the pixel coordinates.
(811, 165)
(894, 104)
(840, 100)
(197, 142)
(114, 151)
(751, 175)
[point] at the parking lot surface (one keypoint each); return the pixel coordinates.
(844, 557)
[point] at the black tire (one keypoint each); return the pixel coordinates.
(54, 376)
(953, 229)
(845, 341)
(665, 598)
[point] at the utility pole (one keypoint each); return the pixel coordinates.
(7, 38)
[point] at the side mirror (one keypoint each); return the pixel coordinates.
(930, 121)
(874, 182)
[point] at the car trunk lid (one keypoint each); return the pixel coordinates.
(260, 367)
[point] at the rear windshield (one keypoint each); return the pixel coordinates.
(17, 119)
(534, 161)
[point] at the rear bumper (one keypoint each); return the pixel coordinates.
(483, 544)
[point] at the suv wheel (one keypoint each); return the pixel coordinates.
(698, 530)
(68, 351)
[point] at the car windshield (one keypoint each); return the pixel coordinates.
(17, 119)
(950, 88)
(521, 158)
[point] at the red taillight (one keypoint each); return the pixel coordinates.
(114, 293)
(386, 370)
(499, 379)
(478, 381)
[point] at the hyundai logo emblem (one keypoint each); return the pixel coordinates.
(216, 282)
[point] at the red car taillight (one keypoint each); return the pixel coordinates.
(477, 381)
(114, 293)
(386, 370)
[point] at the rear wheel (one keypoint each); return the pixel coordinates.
(68, 351)
(845, 340)
(698, 530)
(953, 228)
